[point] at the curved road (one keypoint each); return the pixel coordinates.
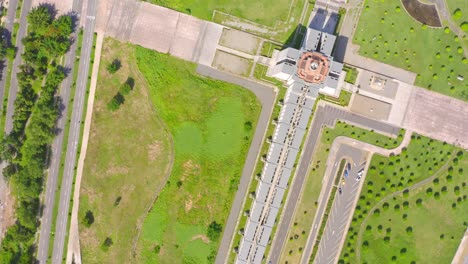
(326, 115)
(266, 95)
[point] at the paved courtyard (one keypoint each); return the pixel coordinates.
(437, 116)
(371, 107)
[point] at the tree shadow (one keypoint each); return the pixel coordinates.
(51, 8)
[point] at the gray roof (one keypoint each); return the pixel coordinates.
(284, 177)
(258, 255)
(290, 158)
(304, 118)
(336, 67)
(287, 113)
(250, 229)
(311, 39)
(277, 197)
(263, 235)
(328, 41)
(256, 212)
(281, 133)
(294, 98)
(274, 153)
(262, 192)
(268, 172)
(283, 70)
(297, 137)
(288, 54)
(245, 249)
(331, 82)
(271, 216)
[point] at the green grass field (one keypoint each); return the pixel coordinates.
(212, 124)
(388, 34)
(307, 204)
(128, 156)
(262, 11)
(393, 226)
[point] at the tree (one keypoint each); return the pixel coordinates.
(116, 101)
(39, 19)
(114, 66)
(464, 26)
(409, 230)
(125, 89)
(88, 219)
(214, 231)
(107, 243)
(457, 14)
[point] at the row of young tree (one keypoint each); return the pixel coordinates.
(25, 149)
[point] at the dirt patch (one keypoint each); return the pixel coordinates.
(154, 150)
(231, 63)
(117, 170)
(204, 238)
(190, 168)
(240, 41)
(7, 212)
(188, 205)
(424, 13)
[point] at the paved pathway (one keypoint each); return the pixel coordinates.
(73, 247)
(326, 115)
(266, 95)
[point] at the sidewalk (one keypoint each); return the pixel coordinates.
(73, 247)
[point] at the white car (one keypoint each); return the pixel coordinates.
(359, 174)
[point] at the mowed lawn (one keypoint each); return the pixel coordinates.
(212, 124)
(261, 11)
(390, 227)
(128, 156)
(387, 33)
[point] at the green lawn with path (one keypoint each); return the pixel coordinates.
(212, 124)
(308, 200)
(387, 33)
(391, 225)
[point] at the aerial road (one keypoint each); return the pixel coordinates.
(74, 134)
(342, 208)
(7, 33)
(16, 63)
(51, 184)
(324, 115)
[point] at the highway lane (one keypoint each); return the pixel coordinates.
(51, 184)
(16, 63)
(342, 208)
(266, 95)
(325, 115)
(75, 129)
(9, 21)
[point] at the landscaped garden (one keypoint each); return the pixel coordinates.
(387, 33)
(308, 201)
(410, 203)
(212, 124)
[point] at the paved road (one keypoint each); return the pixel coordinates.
(9, 21)
(16, 63)
(342, 209)
(266, 95)
(74, 136)
(325, 115)
(51, 184)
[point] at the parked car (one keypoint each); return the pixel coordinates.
(346, 173)
(348, 166)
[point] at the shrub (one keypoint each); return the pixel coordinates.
(114, 66)
(116, 102)
(409, 230)
(464, 26)
(457, 14)
(107, 243)
(214, 231)
(88, 219)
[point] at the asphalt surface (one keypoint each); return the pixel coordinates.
(9, 21)
(51, 184)
(342, 208)
(74, 134)
(325, 115)
(266, 95)
(16, 63)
